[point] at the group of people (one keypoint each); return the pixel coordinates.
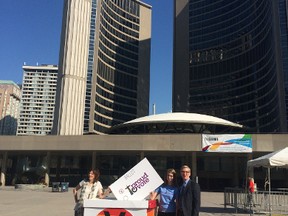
(173, 200)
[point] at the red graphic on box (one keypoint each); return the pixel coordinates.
(114, 212)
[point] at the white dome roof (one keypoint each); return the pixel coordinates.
(182, 118)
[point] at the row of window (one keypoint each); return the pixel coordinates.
(50, 95)
(39, 97)
(116, 36)
(118, 18)
(116, 89)
(232, 30)
(128, 9)
(258, 57)
(40, 74)
(39, 89)
(117, 65)
(129, 43)
(122, 48)
(117, 57)
(121, 27)
(122, 117)
(33, 130)
(116, 107)
(115, 98)
(40, 117)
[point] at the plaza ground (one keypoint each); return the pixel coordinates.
(16, 202)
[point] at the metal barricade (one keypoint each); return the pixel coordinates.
(259, 202)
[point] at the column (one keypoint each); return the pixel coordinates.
(235, 172)
(250, 170)
(47, 177)
(3, 168)
(94, 161)
(194, 166)
(142, 155)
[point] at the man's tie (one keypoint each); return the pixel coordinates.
(182, 194)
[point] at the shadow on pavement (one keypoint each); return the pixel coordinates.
(222, 210)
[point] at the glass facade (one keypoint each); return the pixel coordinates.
(232, 63)
(283, 7)
(90, 65)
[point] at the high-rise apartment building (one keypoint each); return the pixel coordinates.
(228, 61)
(9, 107)
(38, 100)
(104, 64)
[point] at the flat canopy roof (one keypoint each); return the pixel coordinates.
(176, 122)
(183, 118)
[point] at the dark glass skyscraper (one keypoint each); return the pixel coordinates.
(283, 16)
(228, 61)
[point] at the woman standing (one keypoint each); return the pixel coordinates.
(90, 189)
(168, 193)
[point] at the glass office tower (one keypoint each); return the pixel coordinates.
(283, 9)
(228, 62)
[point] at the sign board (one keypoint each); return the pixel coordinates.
(104, 207)
(137, 183)
(227, 143)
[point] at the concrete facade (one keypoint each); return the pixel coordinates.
(163, 151)
(69, 109)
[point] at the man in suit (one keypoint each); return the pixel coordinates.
(189, 197)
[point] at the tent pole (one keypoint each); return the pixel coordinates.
(269, 177)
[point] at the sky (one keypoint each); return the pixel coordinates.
(30, 34)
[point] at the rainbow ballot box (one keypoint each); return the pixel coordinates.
(109, 207)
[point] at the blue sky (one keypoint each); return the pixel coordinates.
(30, 32)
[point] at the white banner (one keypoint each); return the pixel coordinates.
(137, 183)
(226, 142)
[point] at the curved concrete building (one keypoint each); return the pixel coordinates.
(104, 65)
(120, 89)
(227, 62)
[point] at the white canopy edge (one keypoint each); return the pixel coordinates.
(183, 118)
(275, 159)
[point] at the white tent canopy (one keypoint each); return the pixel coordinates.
(275, 159)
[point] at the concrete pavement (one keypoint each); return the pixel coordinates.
(16, 202)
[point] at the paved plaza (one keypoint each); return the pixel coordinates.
(19, 202)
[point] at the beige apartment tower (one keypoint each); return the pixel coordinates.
(10, 95)
(37, 99)
(104, 65)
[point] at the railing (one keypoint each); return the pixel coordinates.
(258, 202)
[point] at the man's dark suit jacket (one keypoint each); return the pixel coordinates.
(191, 199)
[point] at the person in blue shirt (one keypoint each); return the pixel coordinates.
(168, 193)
